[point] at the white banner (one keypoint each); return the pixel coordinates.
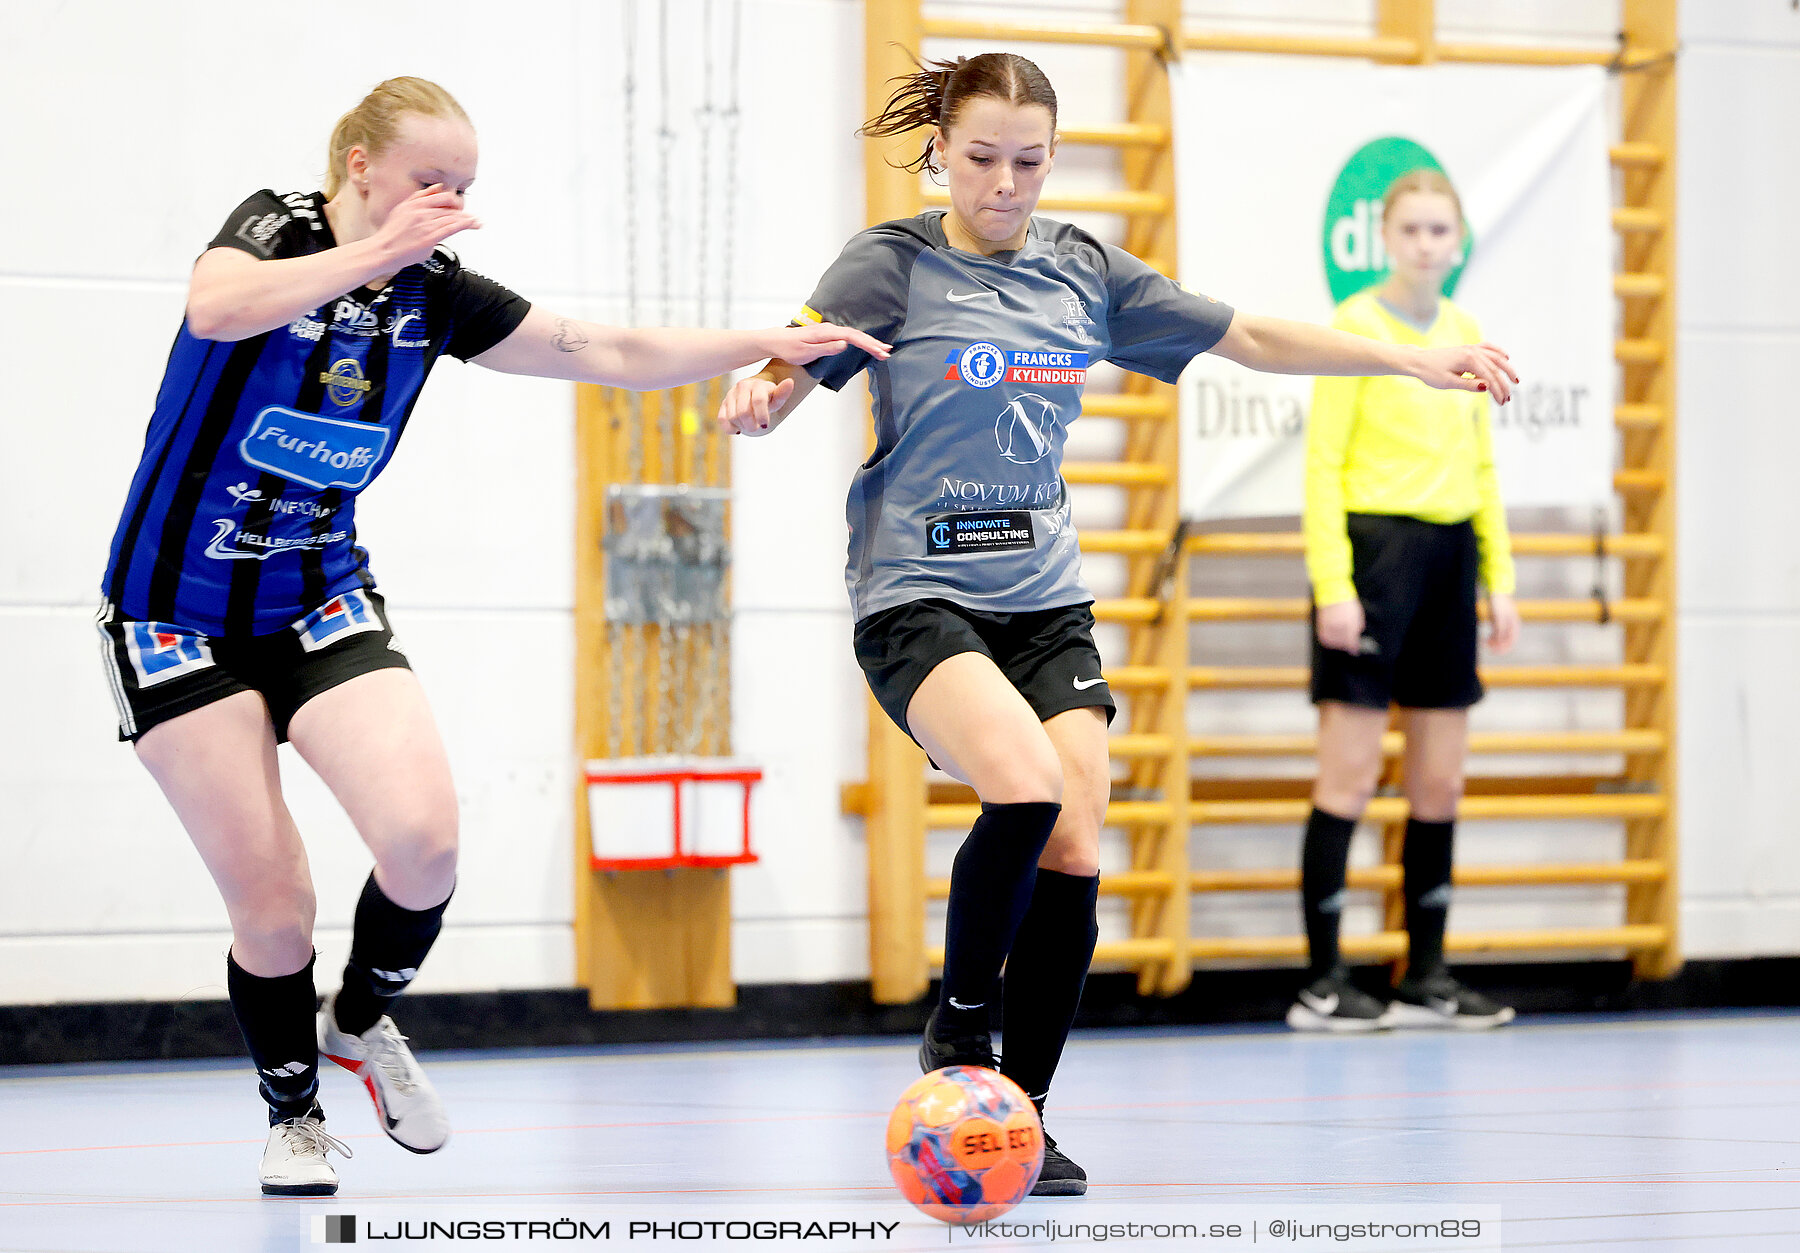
(1282, 164)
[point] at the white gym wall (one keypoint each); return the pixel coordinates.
(132, 130)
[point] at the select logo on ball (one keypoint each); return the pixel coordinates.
(1351, 238)
(964, 1144)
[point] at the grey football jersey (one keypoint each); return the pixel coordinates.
(964, 498)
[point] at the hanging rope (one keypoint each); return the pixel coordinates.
(669, 657)
(704, 119)
(717, 682)
(620, 637)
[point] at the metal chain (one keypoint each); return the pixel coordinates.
(665, 136)
(704, 116)
(635, 436)
(615, 690)
(720, 669)
(638, 744)
(733, 115)
(622, 637)
(666, 639)
(665, 677)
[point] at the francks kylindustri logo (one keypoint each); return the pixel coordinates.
(1354, 256)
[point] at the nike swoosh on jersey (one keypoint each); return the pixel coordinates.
(1082, 685)
(959, 298)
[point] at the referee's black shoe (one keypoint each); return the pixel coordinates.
(1332, 1003)
(1060, 1176)
(1436, 999)
(951, 1046)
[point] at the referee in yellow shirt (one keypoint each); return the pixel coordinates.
(1403, 520)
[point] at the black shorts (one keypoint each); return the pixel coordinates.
(1417, 583)
(158, 671)
(1049, 654)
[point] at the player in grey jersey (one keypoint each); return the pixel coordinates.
(973, 624)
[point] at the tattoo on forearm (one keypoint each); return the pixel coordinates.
(568, 337)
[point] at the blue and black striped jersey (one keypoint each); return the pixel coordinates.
(241, 517)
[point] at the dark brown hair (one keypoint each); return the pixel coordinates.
(936, 94)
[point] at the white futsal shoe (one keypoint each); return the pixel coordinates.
(294, 1162)
(407, 1105)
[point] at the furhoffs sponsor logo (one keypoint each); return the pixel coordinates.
(319, 452)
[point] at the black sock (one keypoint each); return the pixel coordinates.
(990, 888)
(1425, 866)
(276, 1018)
(1324, 853)
(386, 948)
(1044, 977)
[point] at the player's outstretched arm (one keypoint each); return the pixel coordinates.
(757, 405)
(234, 296)
(1278, 346)
(644, 359)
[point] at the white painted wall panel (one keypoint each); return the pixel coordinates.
(145, 164)
(797, 712)
(1762, 25)
(1740, 681)
(1740, 177)
(1737, 453)
(77, 426)
(1739, 586)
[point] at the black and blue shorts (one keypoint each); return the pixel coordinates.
(158, 671)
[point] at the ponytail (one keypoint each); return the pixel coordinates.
(935, 94)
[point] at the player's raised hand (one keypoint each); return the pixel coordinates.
(747, 407)
(421, 222)
(1470, 368)
(803, 344)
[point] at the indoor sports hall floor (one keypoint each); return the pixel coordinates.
(1656, 1132)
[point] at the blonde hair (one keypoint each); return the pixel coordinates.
(374, 122)
(1422, 179)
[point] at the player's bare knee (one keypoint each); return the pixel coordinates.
(1075, 856)
(272, 929)
(419, 862)
(1346, 791)
(1027, 778)
(1435, 799)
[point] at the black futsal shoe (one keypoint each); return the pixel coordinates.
(1060, 1176)
(1332, 1003)
(1438, 1000)
(950, 1046)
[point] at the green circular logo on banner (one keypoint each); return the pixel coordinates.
(1354, 256)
